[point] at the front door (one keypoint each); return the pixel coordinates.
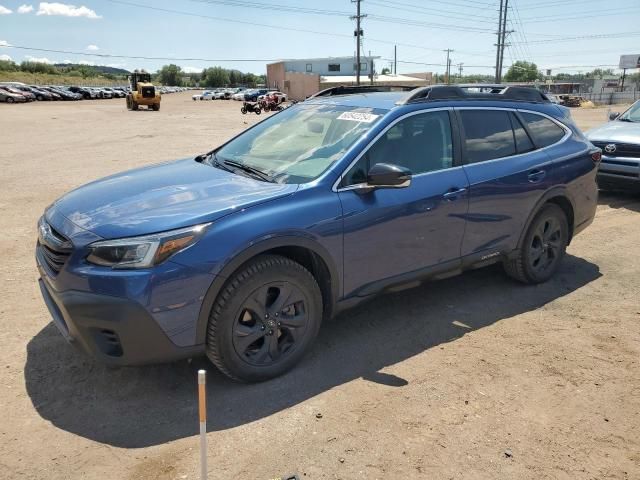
(391, 234)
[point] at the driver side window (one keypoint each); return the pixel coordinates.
(422, 143)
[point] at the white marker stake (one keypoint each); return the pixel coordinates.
(202, 408)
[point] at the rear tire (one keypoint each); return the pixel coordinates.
(134, 105)
(243, 110)
(156, 107)
(258, 111)
(543, 247)
(264, 320)
(9, 100)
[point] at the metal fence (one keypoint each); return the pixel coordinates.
(612, 98)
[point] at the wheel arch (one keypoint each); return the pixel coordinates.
(558, 196)
(310, 254)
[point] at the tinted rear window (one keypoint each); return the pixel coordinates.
(488, 135)
(544, 131)
(523, 142)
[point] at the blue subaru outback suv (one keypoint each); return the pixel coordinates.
(241, 253)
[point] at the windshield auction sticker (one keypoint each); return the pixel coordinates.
(358, 117)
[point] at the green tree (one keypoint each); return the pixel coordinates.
(38, 67)
(215, 77)
(522, 71)
(170, 75)
(8, 66)
(385, 71)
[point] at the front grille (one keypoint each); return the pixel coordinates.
(53, 248)
(622, 149)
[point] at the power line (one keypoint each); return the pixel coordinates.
(431, 11)
(587, 37)
(264, 25)
(419, 23)
(141, 57)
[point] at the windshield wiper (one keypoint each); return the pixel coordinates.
(626, 120)
(207, 157)
(252, 170)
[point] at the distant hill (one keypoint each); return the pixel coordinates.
(96, 68)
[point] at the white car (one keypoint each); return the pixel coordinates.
(282, 97)
(206, 95)
(238, 96)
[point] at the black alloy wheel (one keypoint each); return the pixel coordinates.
(264, 319)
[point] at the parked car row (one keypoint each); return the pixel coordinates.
(217, 94)
(172, 89)
(19, 92)
(15, 92)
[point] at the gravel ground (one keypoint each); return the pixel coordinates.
(473, 377)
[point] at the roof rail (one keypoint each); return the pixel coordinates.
(351, 89)
(479, 91)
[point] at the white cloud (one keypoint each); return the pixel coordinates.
(4, 10)
(65, 10)
(4, 43)
(192, 69)
(25, 8)
(93, 48)
(6, 58)
(29, 58)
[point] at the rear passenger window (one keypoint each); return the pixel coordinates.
(488, 135)
(523, 142)
(544, 131)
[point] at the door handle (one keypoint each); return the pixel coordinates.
(536, 175)
(454, 193)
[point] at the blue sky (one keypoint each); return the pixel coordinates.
(545, 32)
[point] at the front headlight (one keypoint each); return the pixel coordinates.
(145, 251)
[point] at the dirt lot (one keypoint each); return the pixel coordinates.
(474, 377)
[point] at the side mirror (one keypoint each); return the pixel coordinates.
(387, 175)
(614, 115)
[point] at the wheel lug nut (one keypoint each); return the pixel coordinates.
(279, 324)
(270, 332)
(276, 314)
(262, 327)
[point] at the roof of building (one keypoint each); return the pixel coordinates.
(347, 57)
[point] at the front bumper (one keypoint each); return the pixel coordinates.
(114, 330)
(619, 172)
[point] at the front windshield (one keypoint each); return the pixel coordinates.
(298, 144)
(631, 115)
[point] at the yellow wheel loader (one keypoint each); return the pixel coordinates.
(142, 92)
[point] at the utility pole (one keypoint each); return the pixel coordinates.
(358, 35)
(460, 69)
(498, 44)
(448, 50)
(395, 59)
(503, 40)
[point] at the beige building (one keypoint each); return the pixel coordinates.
(304, 77)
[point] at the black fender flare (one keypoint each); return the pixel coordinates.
(247, 254)
(557, 191)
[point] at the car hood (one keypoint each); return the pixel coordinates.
(616, 131)
(163, 197)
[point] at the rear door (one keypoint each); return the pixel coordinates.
(507, 176)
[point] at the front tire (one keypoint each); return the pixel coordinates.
(264, 320)
(543, 248)
(243, 110)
